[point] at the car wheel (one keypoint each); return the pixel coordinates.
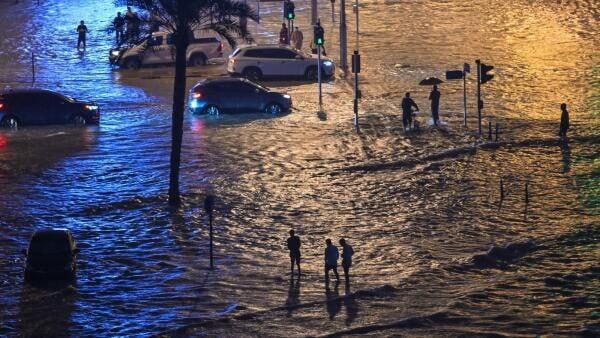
(10, 122)
(197, 60)
(132, 63)
(273, 109)
(78, 121)
(311, 74)
(212, 110)
(252, 74)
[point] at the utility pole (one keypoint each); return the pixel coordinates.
(343, 37)
(466, 69)
(314, 12)
(319, 40)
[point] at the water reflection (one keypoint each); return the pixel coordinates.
(46, 309)
(333, 302)
(293, 295)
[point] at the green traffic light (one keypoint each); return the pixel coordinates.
(290, 16)
(320, 41)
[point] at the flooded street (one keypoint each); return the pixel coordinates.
(420, 209)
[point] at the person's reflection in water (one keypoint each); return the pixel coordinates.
(333, 301)
(351, 306)
(293, 298)
(566, 155)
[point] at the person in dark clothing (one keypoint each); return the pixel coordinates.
(82, 30)
(331, 257)
(564, 121)
(284, 35)
(119, 24)
(133, 25)
(407, 104)
(293, 244)
(347, 253)
(434, 96)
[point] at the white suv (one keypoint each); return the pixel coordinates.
(159, 48)
(257, 61)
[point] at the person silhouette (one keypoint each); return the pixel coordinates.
(407, 104)
(82, 31)
(293, 244)
(331, 257)
(564, 121)
(347, 253)
(434, 96)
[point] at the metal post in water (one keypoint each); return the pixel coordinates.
(526, 192)
(478, 62)
(490, 130)
(343, 37)
(465, 96)
(497, 130)
(314, 10)
(319, 77)
(209, 203)
(32, 67)
(501, 189)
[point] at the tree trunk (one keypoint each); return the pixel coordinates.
(181, 44)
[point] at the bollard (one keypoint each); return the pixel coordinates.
(497, 128)
(490, 130)
(501, 189)
(526, 192)
(209, 203)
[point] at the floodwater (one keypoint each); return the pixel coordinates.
(420, 209)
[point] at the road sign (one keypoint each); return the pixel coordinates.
(454, 74)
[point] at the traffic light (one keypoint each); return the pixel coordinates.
(319, 34)
(288, 10)
(484, 76)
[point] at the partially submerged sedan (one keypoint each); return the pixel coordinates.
(235, 95)
(24, 107)
(51, 254)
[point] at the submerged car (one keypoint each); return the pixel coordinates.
(51, 254)
(25, 107)
(277, 61)
(159, 49)
(235, 95)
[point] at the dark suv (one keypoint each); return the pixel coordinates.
(51, 254)
(42, 107)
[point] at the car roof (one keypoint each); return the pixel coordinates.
(266, 46)
(221, 80)
(51, 233)
(28, 91)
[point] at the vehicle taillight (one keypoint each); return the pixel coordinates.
(220, 48)
(197, 95)
(1, 105)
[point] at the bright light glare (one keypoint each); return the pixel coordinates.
(327, 63)
(194, 104)
(115, 53)
(91, 107)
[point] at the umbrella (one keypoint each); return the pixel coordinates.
(430, 81)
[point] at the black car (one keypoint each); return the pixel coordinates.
(51, 255)
(233, 95)
(42, 107)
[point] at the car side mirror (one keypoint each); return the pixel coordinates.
(24, 252)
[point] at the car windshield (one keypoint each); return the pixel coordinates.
(261, 87)
(50, 243)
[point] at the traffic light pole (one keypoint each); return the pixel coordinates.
(478, 62)
(343, 37)
(319, 77)
(313, 12)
